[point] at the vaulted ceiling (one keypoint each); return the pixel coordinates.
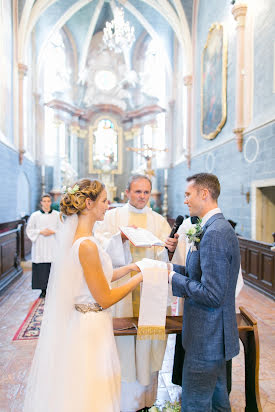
(163, 20)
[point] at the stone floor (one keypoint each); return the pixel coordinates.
(16, 357)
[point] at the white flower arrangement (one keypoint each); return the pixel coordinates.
(70, 190)
(168, 407)
(193, 234)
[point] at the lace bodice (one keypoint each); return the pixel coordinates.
(82, 292)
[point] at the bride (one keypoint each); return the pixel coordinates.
(76, 366)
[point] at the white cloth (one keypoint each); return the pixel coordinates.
(76, 365)
(153, 302)
(43, 247)
(140, 360)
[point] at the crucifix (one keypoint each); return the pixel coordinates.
(148, 153)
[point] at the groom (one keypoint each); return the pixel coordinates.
(208, 282)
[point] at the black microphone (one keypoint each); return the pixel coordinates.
(175, 227)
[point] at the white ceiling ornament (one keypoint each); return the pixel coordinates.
(107, 78)
(118, 34)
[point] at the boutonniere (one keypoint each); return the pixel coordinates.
(193, 234)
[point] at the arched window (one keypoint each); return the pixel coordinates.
(55, 137)
(57, 72)
(153, 75)
(56, 85)
(105, 147)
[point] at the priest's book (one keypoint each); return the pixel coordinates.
(141, 237)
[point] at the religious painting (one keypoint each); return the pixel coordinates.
(105, 147)
(5, 68)
(213, 82)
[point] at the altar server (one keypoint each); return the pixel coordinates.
(41, 230)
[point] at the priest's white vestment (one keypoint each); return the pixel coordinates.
(140, 359)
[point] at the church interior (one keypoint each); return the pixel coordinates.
(106, 89)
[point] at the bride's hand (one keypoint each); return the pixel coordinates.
(135, 267)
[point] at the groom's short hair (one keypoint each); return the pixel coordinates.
(208, 181)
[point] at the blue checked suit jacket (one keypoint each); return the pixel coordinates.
(208, 283)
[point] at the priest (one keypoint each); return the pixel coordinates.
(41, 230)
(140, 359)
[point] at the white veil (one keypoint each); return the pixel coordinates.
(46, 368)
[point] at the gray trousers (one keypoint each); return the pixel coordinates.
(204, 387)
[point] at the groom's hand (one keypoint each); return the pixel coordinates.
(172, 242)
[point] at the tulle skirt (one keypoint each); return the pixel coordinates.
(86, 373)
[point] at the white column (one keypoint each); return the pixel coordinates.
(239, 12)
(188, 83)
(57, 160)
(22, 71)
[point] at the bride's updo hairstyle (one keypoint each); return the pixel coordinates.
(73, 201)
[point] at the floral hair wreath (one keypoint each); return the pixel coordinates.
(70, 190)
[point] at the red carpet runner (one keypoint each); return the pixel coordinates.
(30, 327)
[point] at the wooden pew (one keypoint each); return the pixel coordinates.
(10, 253)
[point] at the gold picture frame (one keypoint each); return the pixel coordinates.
(106, 167)
(213, 82)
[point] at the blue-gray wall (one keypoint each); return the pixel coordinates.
(220, 156)
(264, 40)
(235, 175)
(10, 170)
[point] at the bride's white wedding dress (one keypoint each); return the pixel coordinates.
(76, 369)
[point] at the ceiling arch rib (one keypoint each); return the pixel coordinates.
(170, 16)
(74, 50)
(90, 35)
(39, 7)
(180, 25)
(186, 34)
(147, 26)
(23, 24)
(65, 17)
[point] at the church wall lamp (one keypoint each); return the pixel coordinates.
(246, 194)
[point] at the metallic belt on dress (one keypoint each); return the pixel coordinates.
(88, 307)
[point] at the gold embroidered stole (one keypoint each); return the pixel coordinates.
(138, 253)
